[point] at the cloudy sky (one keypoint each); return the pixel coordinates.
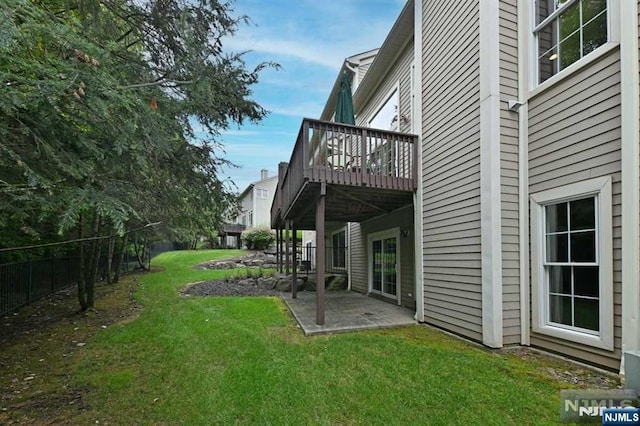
(309, 39)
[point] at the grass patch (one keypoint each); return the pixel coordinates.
(224, 360)
(250, 272)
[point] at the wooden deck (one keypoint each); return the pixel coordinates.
(362, 172)
(339, 173)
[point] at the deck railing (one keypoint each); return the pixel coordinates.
(346, 155)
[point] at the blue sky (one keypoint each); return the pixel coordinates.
(309, 39)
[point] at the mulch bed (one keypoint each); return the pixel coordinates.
(226, 287)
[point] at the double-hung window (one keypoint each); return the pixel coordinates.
(567, 30)
(572, 262)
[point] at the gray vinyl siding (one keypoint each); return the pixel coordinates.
(364, 64)
(508, 21)
(451, 167)
(574, 135)
(247, 206)
(358, 259)
(262, 212)
(362, 70)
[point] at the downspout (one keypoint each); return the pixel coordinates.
(523, 169)
(630, 133)
(349, 256)
(416, 128)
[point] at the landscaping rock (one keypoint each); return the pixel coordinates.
(284, 284)
(267, 283)
(336, 282)
(332, 282)
(248, 282)
(311, 283)
(224, 265)
(253, 259)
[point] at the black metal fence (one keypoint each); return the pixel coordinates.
(23, 282)
(335, 259)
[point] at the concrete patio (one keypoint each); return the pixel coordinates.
(346, 311)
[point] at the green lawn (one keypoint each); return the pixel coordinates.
(243, 361)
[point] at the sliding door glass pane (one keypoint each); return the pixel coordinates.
(377, 266)
(390, 259)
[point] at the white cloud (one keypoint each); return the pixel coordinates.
(308, 109)
(317, 54)
(239, 132)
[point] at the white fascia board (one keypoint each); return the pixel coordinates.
(491, 232)
(523, 167)
(416, 128)
(630, 131)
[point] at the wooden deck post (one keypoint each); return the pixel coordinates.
(294, 272)
(278, 249)
(286, 247)
(281, 252)
(320, 255)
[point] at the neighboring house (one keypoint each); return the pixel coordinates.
(512, 217)
(255, 205)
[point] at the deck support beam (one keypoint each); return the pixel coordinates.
(320, 255)
(287, 244)
(278, 250)
(294, 272)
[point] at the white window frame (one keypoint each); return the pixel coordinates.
(262, 194)
(250, 218)
(601, 189)
(613, 30)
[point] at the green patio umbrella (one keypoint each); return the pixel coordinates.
(344, 106)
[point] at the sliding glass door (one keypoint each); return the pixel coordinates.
(384, 266)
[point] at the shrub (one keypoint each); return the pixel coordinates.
(258, 238)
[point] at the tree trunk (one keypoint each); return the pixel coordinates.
(82, 288)
(120, 258)
(91, 265)
(111, 243)
(91, 282)
(139, 248)
(92, 273)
